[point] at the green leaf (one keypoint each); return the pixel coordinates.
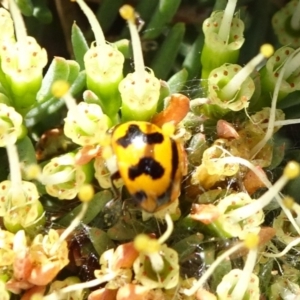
(4, 99)
(76, 87)
(292, 112)
(80, 46)
(177, 81)
(78, 84)
(58, 70)
(39, 112)
(192, 60)
(163, 93)
(258, 32)
(95, 207)
(123, 47)
(41, 11)
(44, 109)
(163, 14)
(223, 268)
(25, 7)
(125, 229)
(73, 71)
(165, 57)
(100, 240)
(212, 195)
(292, 99)
(188, 245)
(280, 144)
(146, 9)
(265, 275)
(220, 5)
(197, 146)
(108, 12)
(26, 152)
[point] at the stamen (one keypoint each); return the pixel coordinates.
(267, 183)
(284, 251)
(270, 128)
(226, 21)
(211, 269)
(85, 194)
(242, 285)
(61, 89)
(21, 33)
(127, 12)
(168, 232)
(97, 30)
(233, 86)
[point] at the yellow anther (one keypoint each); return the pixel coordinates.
(143, 243)
(127, 13)
(266, 50)
(86, 193)
(60, 88)
(33, 171)
(251, 241)
(292, 170)
(288, 202)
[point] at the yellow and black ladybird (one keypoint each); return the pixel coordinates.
(150, 162)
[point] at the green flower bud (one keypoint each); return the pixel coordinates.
(7, 27)
(41, 250)
(139, 99)
(223, 39)
(10, 124)
(3, 291)
(227, 219)
(230, 86)
(157, 264)
(62, 177)
(6, 252)
(236, 100)
(286, 24)
(166, 278)
(287, 58)
(20, 208)
(229, 281)
(104, 70)
(57, 285)
(140, 90)
(259, 120)
(239, 226)
(103, 175)
(23, 63)
(86, 124)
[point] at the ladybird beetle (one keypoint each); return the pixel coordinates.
(150, 162)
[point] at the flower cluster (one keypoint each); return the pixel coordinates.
(29, 264)
(129, 172)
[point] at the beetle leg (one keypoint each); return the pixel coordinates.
(116, 191)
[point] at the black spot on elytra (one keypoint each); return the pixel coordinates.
(147, 166)
(134, 131)
(175, 159)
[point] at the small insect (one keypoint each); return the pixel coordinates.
(150, 162)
